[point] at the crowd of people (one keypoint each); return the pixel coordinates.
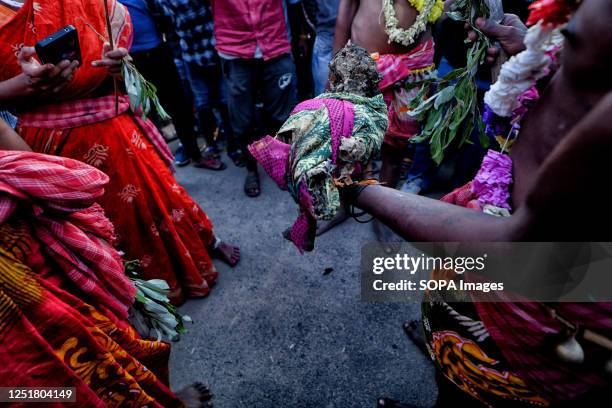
(87, 184)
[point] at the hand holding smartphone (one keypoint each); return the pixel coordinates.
(59, 46)
(59, 56)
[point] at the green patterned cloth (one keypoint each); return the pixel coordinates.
(310, 160)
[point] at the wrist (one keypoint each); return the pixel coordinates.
(350, 194)
(15, 88)
(25, 88)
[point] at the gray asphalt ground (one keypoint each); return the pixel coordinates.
(276, 331)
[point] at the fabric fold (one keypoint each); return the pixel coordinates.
(82, 112)
(59, 194)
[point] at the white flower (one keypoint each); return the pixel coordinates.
(522, 71)
(407, 36)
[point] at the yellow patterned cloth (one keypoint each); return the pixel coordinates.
(464, 352)
(50, 338)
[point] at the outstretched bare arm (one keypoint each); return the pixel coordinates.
(566, 201)
(418, 218)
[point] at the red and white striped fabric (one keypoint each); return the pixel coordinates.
(57, 196)
(83, 112)
(397, 67)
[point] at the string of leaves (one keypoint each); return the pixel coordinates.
(451, 114)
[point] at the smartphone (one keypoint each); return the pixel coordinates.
(59, 46)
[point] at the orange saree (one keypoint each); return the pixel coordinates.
(155, 219)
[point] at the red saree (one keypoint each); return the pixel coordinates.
(50, 338)
(58, 280)
(156, 221)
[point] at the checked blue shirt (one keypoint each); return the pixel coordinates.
(193, 25)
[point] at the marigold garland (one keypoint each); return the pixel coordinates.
(436, 12)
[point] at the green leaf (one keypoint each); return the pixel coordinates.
(444, 96)
(455, 15)
(142, 93)
(467, 131)
(482, 136)
(157, 284)
(451, 114)
(154, 295)
(454, 74)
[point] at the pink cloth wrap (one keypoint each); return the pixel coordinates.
(395, 68)
(523, 331)
(273, 155)
(341, 119)
(57, 196)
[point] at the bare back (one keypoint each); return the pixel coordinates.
(368, 26)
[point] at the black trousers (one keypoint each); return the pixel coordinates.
(157, 66)
(249, 81)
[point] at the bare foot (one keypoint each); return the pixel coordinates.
(413, 331)
(338, 219)
(196, 395)
(227, 253)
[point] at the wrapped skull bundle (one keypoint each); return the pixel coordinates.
(327, 141)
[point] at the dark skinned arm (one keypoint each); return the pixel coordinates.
(565, 201)
(417, 218)
(10, 140)
(346, 13)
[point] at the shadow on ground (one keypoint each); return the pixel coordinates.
(276, 331)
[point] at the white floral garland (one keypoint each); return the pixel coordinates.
(400, 35)
(523, 70)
